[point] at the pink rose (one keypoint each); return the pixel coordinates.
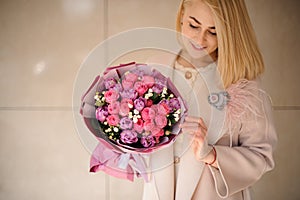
(127, 84)
(148, 113)
(163, 109)
(113, 120)
(113, 108)
(111, 95)
(157, 133)
(125, 106)
(139, 126)
(161, 121)
(149, 102)
(148, 80)
(140, 87)
(131, 77)
(148, 125)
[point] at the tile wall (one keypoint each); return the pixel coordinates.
(42, 45)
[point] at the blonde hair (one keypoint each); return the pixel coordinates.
(238, 54)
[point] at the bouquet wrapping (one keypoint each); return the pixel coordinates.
(132, 110)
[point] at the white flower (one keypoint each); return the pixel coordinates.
(105, 123)
(135, 119)
(130, 105)
(135, 111)
(150, 90)
(178, 111)
(116, 129)
(130, 115)
(171, 95)
(164, 90)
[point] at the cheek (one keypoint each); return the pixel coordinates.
(213, 43)
(187, 32)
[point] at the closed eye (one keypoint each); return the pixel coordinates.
(192, 26)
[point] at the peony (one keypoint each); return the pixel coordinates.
(148, 113)
(125, 106)
(148, 81)
(174, 103)
(111, 95)
(139, 104)
(110, 83)
(113, 120)
(147, 141)
(139, 126)
(101, 114)
(131, 77)
(114, 108)
(163, 108)
(140, 87)
(129, 94)
(126, 123)
(128, 137)
(149, 124)
(127, 84)
(161, 121)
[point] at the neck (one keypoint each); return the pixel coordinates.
(187, 61)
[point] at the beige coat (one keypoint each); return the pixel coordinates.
(244, 154)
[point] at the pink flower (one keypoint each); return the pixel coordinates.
(128, 137)
(101, 114)
(127, 84)
(114, 108)
(147, 141)
(111, 95)
(148, 113)
(124, 106)
(149, 102)
(148, 80)
(157, 133)
(113, 120)
(148, 125)
(163, 109)
(140, 87)
(131, 77)
(161, 121)
(139, 126)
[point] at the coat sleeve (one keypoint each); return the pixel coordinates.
(242, 165)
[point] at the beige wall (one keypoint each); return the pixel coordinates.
(42, 44)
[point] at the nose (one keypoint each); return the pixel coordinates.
(200, 38)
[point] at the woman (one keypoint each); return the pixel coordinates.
(223, 161)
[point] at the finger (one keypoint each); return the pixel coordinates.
(189, 124)
(191, 130)
(201, 122)
(192, 119)
(197, 120)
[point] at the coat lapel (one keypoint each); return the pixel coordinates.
(188, 176)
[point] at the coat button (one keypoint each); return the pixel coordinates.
(176, 159)
(188, 75)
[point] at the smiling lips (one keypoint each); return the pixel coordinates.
(197, 47)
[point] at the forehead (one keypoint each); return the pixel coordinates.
(201, 12)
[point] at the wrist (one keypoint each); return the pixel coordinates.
(211, 157)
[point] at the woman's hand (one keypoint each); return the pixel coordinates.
(196, 127)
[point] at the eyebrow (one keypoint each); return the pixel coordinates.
(193, 18)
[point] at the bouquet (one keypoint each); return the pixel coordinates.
(133, 109)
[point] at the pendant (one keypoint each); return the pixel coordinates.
(188, 75)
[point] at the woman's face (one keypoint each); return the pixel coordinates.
(198, 30)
